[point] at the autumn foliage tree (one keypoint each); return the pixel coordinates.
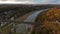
(49, 22)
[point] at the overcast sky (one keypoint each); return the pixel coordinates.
(38, 1)
(48, 1)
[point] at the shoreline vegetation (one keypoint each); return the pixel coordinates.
(49, 22)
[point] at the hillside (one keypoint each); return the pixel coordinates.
(48, 22)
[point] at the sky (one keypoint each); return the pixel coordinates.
(33, 1)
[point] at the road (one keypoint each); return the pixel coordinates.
(30, 17)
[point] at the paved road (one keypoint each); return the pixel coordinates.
(30, 17)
